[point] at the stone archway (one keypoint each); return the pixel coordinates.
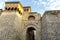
(31, 33)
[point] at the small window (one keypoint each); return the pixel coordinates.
(15, 8)
(8, 8)
(19, 11)
(12, 8)
(26, 10)
(31, 18)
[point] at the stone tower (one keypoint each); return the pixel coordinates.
(51, 25)
(19, 23)
(31, 26)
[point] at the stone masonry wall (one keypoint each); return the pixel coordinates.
(51, 25)
(8, 27)
(35, 23)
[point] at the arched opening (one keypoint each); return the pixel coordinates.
(15, 8)
(31, 32)
(5, 8)
(12, 8)
(20, 12)
(8, 8)
(31, 17)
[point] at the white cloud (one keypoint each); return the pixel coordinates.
(1, 4)
(48, 4)
(53, 5)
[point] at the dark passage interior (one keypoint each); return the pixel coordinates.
(30, 33)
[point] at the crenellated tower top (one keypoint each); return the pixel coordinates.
(16, 6)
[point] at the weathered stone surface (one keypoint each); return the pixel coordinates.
(8, 29)
(14, 26)
(35, 23)
(51, 25)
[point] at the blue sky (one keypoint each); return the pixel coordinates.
(39, 6)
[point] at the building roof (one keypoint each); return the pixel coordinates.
(13, 2)
(26, 7)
